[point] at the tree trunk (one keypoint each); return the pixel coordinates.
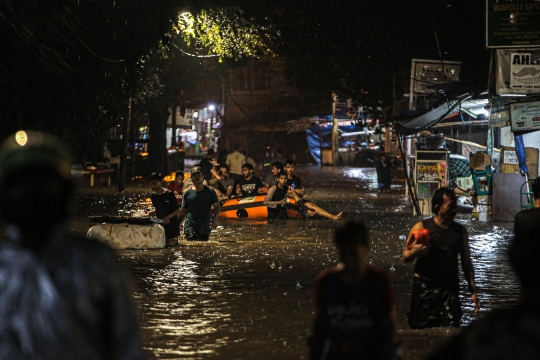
(157, 151)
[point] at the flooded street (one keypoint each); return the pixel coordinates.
(248, 292)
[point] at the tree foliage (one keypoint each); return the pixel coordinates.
(223, 32)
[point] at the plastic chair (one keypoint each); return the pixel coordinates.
(528, 193)
(479, 174)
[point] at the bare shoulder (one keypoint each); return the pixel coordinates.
(418, 226)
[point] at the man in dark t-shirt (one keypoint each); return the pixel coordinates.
(435, 245)
(249, 185)
(296, 191)
(511, 332)
(276, 198)
(165, 208)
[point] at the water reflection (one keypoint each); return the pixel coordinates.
(248, 293)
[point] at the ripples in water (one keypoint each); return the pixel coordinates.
(248, 293)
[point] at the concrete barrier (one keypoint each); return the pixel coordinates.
(127, 236)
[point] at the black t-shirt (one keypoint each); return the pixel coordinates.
(524, 247)
(165, 204)
(294, 181)
(441, 263)
(206, 168)
(250, 187)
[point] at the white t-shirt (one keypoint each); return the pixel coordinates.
(235, 160)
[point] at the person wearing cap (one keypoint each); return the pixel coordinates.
(165, 208)
(62, 296)
(200, 207)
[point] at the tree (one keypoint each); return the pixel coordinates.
(74, 65)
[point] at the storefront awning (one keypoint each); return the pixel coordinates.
(428, 119)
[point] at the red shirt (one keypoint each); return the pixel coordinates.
(177, 190)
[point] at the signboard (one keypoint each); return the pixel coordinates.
(499, 116)
(427, 73)
(429, 171)
(524, 72)
(517, 71)
(510, 157)
(525, 116)
(512, 23)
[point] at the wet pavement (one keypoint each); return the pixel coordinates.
(248, 292)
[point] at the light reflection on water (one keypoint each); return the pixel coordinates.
(248, 293)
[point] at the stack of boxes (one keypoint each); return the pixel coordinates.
(510, 164)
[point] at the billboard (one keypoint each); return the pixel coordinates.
(426, 73)
(512, 23)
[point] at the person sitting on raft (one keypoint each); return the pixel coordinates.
(276, 198)
(225, 184)
(271, 179)
(249, 185)
(296, 191)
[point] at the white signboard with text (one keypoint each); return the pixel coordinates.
(510, 157)
(525, 116)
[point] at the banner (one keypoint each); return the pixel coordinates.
(517, 72)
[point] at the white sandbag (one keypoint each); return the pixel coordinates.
(127, 236)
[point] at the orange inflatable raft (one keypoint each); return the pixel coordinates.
(253, 207)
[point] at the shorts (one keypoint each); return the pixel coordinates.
(193, 235)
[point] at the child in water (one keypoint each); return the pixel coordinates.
(355, 315)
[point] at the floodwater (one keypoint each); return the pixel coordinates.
(248, 292)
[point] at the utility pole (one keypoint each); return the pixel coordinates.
(123, 158)
(335, 133)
